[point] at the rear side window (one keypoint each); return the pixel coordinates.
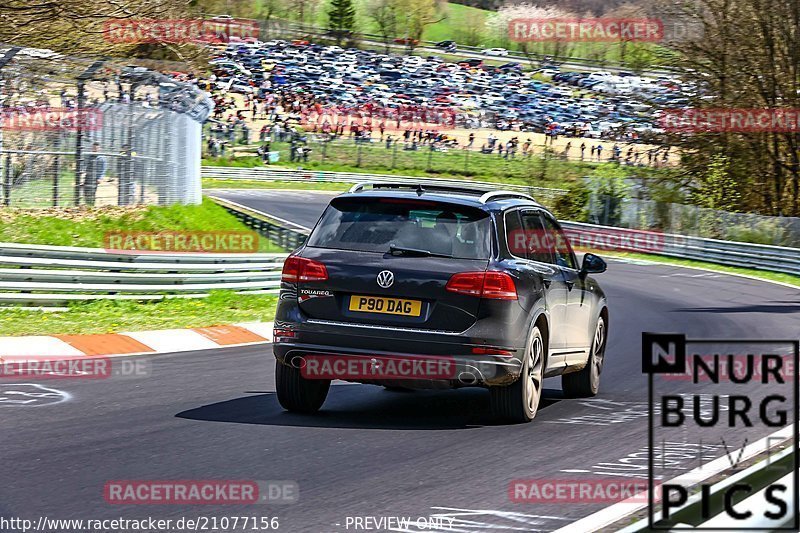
(526, 236)
(372, 224)
(562, 250)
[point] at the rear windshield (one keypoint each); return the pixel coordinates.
(372, 224)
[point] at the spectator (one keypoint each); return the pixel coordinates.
(96, 165)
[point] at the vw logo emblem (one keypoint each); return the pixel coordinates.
(385, 279)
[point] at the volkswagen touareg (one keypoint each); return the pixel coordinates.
(429, 286)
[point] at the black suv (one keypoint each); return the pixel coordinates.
(464, 287)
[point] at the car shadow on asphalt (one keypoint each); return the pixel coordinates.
(756, 308)
(366, 407)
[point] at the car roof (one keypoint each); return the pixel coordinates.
(499, 201)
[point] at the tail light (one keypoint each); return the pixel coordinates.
(487, 350)
(492, 285)
(301, 269)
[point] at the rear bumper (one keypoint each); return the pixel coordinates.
(341, 341)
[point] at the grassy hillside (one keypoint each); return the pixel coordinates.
(88, 227)
(466, 25)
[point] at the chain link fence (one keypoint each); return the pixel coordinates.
(523, 160)
(80, 132)
(691, 220)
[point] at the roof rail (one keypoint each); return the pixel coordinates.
(496, 195)
(420, 187)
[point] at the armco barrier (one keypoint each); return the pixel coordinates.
(735, 254)
(276, 230)
(51, 275)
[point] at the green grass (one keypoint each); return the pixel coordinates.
(458, 164)
(42, 192)
(459, 19)
(221, 307)
(89, 226)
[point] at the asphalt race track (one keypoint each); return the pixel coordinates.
(370, 452)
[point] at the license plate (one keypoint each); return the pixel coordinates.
(388, 306)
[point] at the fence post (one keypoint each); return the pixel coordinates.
(56, 171)
(7, 182)
(8, 56)
(82, 78)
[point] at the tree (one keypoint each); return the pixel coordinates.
(416, 16)
(748, 57)
(341, 19)
(80, 26)
(304, 11)
(385, 15)
(471, 31)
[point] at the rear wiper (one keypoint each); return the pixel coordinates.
(400, 250)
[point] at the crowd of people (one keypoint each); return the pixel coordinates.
(275, 87)
(284, 118)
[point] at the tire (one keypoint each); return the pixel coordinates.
(586, 382)
(519, 401)
(296, 393)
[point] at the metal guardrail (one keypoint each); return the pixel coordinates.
(49, 276)
(52, 275)
(543, 194)
(273, 228)
(734, 254)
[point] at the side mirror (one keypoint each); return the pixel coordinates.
(592, 264)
